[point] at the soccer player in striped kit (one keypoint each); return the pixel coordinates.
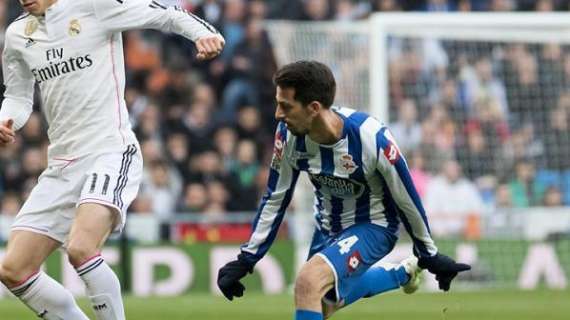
(363, 191)
(73, 50)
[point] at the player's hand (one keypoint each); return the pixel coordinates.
(7, 134)
(444, 268)
(229, 278)
(209, 47)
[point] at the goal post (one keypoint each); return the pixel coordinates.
(469, 27)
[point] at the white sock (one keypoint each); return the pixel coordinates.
(47, 298)
(103, 288)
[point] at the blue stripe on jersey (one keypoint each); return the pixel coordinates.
(327, 161)
(404, 174)
(353, 123)
(271, 185)
(419, 246)
(302, 164)
(280, 214)
(327, 168)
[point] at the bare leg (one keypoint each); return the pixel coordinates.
(20, 272)
(90, 230)
(314, 280)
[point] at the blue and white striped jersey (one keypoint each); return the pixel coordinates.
(361, 178)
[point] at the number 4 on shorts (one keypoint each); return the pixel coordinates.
(346, 244)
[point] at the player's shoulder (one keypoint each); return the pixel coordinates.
(360, 122)
(18, 26)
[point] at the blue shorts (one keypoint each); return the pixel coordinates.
(350, 253)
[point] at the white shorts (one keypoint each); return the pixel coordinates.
(110, 179)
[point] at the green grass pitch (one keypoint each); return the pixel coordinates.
(484, 305)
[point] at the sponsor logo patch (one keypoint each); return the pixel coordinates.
(353, 261)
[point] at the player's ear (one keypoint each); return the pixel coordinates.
(314, 107)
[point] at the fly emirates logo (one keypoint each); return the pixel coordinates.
(59, 66)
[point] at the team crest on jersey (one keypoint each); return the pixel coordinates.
(74, 27)
(277, 151)
(347, 163)
(31, 27)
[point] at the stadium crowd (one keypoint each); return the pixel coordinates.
(475, 121)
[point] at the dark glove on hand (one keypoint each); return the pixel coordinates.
(444, 268)
(229, 276)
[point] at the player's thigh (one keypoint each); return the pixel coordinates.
(353, 253)
(25, 253)
(315, 278)
(92, 225)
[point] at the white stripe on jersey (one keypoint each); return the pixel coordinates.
(368, 131)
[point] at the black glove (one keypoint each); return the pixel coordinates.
(229, 276)
(444, 268)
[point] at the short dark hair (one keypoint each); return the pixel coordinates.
(312, 81)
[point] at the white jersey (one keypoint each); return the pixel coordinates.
(75, 54)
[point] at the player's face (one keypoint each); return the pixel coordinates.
(297, 117)
(36, 7)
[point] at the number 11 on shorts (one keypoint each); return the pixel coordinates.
(346, 244)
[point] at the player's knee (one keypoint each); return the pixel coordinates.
(78, 253)
(308, 284)
(11, 275)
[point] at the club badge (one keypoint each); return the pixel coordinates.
(348, 164)
(74, 27)
(31, 27)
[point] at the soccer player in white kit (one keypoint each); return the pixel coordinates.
(73, 50)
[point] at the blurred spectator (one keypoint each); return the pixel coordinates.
(523, 144)
(148, 124)
(317, 10)
(232, 27)
(34, 131)
(407, 130)
(218, 197)
(178, 151)
(11, 204)
(195, 199)
(503, 198)
(557, 140)
(419, 175)
(525, 190)
(244, 171)
(439, 5)
(198, 124)
(151, 151)
(164, 184)
(257, 10)
(211, 11)
(249, 125)
(476, 158)
(552, 197)
(480, 84)
(251, 67)
(386, 5)
(225, 141)
(502, 5)
(450, 199)
(206, 166)
(347, 10)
